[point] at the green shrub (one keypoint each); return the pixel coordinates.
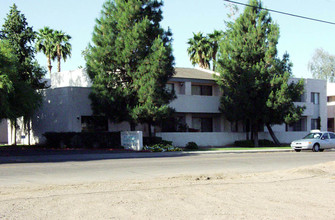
(161, 148)
(191, 146)
(164, 142)
(244, 143)
(266, 143)
(151, 140)
(58, 139)
(83, 139)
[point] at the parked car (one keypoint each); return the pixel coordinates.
(315, 141)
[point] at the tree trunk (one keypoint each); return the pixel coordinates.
(58, 57)
(200, 60)
(132, 126)
(256, 144)
(247, 129)
(49, 64)
(149, 128)
(274, 138)
(255, 128)
(214, 61)
(29, 132)
(58, 60)
(15, 132)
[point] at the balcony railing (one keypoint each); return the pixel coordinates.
(196, 104)
(210, 104)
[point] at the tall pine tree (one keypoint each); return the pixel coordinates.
(21, 37)
(8, 75)
(280, 103)
(28, 74)
(252, 81)
(130, 62)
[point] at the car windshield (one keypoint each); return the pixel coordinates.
(313, 136)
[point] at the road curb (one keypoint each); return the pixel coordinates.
(239, 151)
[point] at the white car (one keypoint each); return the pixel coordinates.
(315, 141)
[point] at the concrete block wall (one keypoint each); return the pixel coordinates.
(219, 139)
(3, 132)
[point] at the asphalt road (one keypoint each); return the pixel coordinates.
(112, 167)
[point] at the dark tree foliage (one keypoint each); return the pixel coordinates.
(21, 37)
(130, 62)
(18, 98)
(203, 49)
(7, 76)
(22, 70)
(280, 103)
(253, 80)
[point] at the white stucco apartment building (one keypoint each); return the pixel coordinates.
(197, 104)
(331, 106)
(66, 108)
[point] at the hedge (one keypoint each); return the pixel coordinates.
(83, 139)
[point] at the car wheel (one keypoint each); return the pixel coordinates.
(316, 148)
(297, 150)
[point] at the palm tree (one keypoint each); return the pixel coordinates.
(214, 40)
(46, 43)
(198, 50)
(63, 47)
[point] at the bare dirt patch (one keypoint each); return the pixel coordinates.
(300, 193)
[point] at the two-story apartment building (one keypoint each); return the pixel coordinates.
(197, 106)
(66, 108)
(198, 99)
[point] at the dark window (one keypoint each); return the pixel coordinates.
(206, 90)
(234, 126)
(330, 124)
(331, 99)
(325, 136)
(315, 98)
(202, 90)
(332, 135)
(174, 124)
(300, 125)
(315, 123)
(301, 98)
(94, 123)
(169, 87)
(196, 90)
(202, 124)
(207, 125)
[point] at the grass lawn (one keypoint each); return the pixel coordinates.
(3, 145)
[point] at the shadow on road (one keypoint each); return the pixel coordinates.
(46, 156)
